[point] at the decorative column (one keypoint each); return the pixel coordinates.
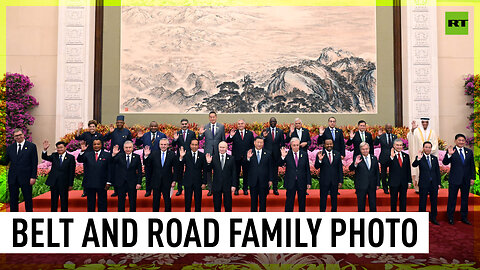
(76, 28)
(420, 62)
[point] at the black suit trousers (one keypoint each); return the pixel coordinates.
(14, 190)
(92, 194)
(196, 191)
(258, 196)
(59, 193)
(422, 207)
(362, 197)
(227, 201)
(157, 194)
(123, 190)
(398, 194)
(324, 189)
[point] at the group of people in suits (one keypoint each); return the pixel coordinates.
(257, 159)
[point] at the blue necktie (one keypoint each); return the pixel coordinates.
(461, 155)
(61, 160)
(258, 157)
(128, 161)
(163, 158)
(429, 162)
(367, 162)
(213, 130)
(333, 133)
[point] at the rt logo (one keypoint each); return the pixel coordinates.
(456, 23)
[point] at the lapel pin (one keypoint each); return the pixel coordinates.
(26, 147)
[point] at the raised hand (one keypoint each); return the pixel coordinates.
(380, 132)
(201, 130)
(182, 152)
(83, 146)
(208, 157)
(249, 154)
(451, 150)
(414, 125)
(392, 152)
(352, 134)
(115, 150)
(358, 159)
(46, 144)
(80, 125)
(420, 154)
(320, 155)
(321, 130)
(292, 128)
(146, 150)
(284, 152)
(138, 186)
(176, 136)
(140, 133)
(111, 128)
(265, 133)
(232, 132)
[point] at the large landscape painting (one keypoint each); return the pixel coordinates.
(248, 60)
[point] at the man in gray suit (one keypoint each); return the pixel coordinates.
(214, 133)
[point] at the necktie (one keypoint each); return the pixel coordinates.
(258, 157)
(367, 162)
(61, 160)
(241, 133)
(153, 136)
(19, 149)
(330, 157)
(333, 133)
(461, 155)
(213, 130)
(184, 136)
(296, 159)
(194, 160)
(399, 160)
(163, 158)
(429, 162)
(96, 156)
(128, 161)
(363, 136)
(388, 139)
(273, 134)
(222, 162)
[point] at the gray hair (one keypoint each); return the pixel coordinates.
(164, 139)
(362, 144)
(294, 139)
(298, 119)
(397, 140)
(128, 142)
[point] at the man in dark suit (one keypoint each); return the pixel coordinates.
(462, 176)
(96, 175)
(260, 175)
(297, 175)
(128, 166)
(152, 140)
(400, 176)
(367, 178)
(213, 133)
(329, 162)
(163, 164)
(194, 178)
(182, 138)
(223, 166)
(360, 136)
(61, 175)
(242, 141)
(386, 143)
(429, 181)
(274, 141)
(333, 133)
(297, 131)
(22, 174)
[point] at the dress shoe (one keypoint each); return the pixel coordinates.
(245, 192)
(338, 193)
(236, 192)
(276, 192)
(178, 193)
(83, 194)
(434, 221)
(466, 221)
(450, 221)
(306, 193)
(209, 193)
(416, 191)
(114, 194)
(386, 191)
(148, 193)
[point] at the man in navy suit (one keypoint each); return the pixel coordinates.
(223, 182)
(429, 181)
(386, 143)
(367, 178)
(274, 141)
(260, 175)
(61, 175)
(182, 138)
(128, 166)
(242, 141)
(297, 175)
(329, 162)
(400, 176)
(362, 135)
(297, 131)
(333, 133)
(96, 174)
(195, 176)
(163, 164)
(150, 139)
(462, 176)
(22, 174)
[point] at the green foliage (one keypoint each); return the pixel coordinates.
(348, 183)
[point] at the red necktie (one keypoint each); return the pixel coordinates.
(330, 157)
(96, 156)
(399, 160)
(241, 133)
(184, 136)
(273, 134)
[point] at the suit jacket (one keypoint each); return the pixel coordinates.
(273, 146)
(428, 176)
(195, 172)
(224, 179)
(211, 142)
(260, 174)
(240, 147)
(96, 173)
(293, 174)
(365, 178)
(146, 139)
(22, 166)
(386, 147)
(185, 143)
(399, 176)
(131, 175)
(330, 173)
(60, 175)
(338, 143)
(357, 140)
(89, 138)
(162, 176)
(118, 137)
(460, 173)
(305, 138)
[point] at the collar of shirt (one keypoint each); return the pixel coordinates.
(329, 152)
(332, 129)
(61, 156)
(427, 156)
(299, 130)
(458, 149)
(22, 143)
(366, 157)
(98, 152)
(163, 152)
(295, 153)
